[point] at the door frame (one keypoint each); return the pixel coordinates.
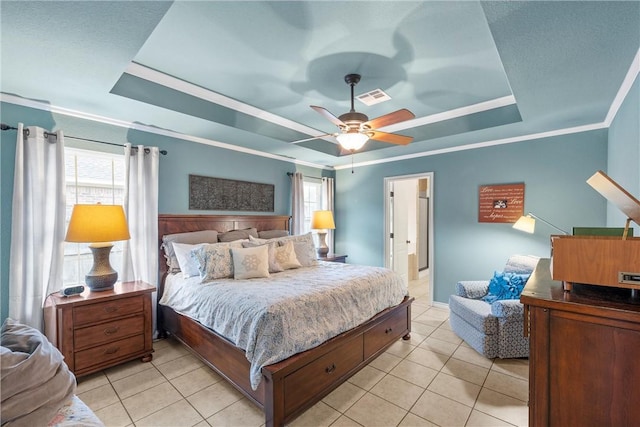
(387, 225)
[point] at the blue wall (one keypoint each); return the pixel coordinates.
(624, 153)
(184, 158)
(554, 171)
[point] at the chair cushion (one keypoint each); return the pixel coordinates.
(475, 312)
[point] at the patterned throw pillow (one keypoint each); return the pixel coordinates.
(249, 263)
(214, 260)
(286, 256)
(274, 267)
(304, 247)
(505, 286)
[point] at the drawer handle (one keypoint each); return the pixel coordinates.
(112, 330)
(330, 369)
(110, 309)
(112, 350)
(388, 330)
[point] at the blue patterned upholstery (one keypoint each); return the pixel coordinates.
(493, 330)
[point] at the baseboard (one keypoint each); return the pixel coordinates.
(438, 304)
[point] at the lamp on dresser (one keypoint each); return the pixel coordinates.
(98, 225)
(322, 221)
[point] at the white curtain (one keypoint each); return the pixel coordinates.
(140, 255)
(37, 223)
(327, 205)
(297, 203)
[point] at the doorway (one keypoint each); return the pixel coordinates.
(409, 230)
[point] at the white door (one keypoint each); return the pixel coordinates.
(402, 191)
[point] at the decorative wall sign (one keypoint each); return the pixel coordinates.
(500, 203)
(219, 194)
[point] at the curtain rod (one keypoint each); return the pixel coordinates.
(306, 176)
(48, 134)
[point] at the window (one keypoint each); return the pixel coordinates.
(312, 201)
(91, 177)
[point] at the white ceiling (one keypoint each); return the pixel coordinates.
(245, 73)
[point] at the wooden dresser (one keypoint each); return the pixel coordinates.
(96, 330)
(584, 367)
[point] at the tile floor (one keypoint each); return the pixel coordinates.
(434, 379)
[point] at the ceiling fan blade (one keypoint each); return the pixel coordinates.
(327, 115)
(391, 138)
(312, 138)
(390, 119)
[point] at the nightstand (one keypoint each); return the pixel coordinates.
(334, 258)
(96, 330)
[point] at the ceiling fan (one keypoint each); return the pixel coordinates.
(356, 128)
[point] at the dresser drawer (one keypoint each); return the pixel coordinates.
(387, 331)
(108, 332)
(322, 372)
(109, 351)
(113, 309)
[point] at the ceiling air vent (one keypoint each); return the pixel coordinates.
(375, 96)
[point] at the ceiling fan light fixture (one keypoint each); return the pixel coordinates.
(352, 140)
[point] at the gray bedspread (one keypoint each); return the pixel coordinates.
(35, 382)
(274, 318)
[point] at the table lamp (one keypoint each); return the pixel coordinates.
(98, 225)
(322, 221)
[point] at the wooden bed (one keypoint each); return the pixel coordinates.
(291, 386)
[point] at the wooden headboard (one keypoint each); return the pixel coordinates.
(170, 224)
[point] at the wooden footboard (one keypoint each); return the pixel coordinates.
(291, 386)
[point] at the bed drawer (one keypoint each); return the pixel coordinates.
(107, 310)
(108, 332)
(385, 332)
(322, 372)
(109, 351)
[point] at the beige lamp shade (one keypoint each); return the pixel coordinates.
(97, 223)
(525, 223)
(322, 220)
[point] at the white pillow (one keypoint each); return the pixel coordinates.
(188, 264)
(214, 260)
(249, 263)
(192, 237)
(286, 256)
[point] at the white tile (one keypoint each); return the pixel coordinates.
(172, 350)
(367, 377)
(441, 410)
(214, 398)
(180, 366)
(446, 335)
(114, 415)
(151, 400)
(196, 380)
(439, 346)
(455, 389)
(470, 355)
(503, 407)
(375, 411)
(345, 421)
(397, 391)
(479, 419)
(124, 370)
(319, 415)
(412, 420)
(385, 362)
(91, 381)
(134, 384)
(241, 414)
(414, 373)
(466, 371)
(422, 329)
(344, 396)
(506, 384)
(428, 358)
(99, 397)
(518, 368)
(177, 414)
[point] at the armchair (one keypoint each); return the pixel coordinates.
(492, 329)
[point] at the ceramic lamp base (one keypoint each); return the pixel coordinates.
(102, 276)
(323, 249)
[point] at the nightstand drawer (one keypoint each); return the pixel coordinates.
(108, 310)
(109, 351)
(108, 332)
